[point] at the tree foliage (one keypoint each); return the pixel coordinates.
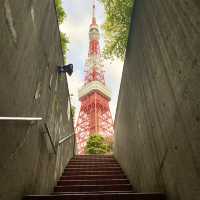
(61, 17)
(60, 11)
(64, 42)
(116, 26)
(97, 145)
(73, 111)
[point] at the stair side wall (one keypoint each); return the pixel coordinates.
(157, 123)
(30, 50)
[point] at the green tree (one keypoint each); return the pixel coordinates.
(73, 111)
(116, 26)
(60, 11)
(61, 17)
(96, 145)
(64, 43)
(109, 143)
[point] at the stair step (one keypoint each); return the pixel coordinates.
(93, 165)
(99, 155)
(79, 167)
(93, 172)
(93, 160)
(97, 163)
(105, 196)
(93, 192)
(93, 182)
(94, 157)
(93, 188)
(92, 177)
(99, 168)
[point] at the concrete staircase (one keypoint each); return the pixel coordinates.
(92, 178)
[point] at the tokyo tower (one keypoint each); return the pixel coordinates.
(95, 116)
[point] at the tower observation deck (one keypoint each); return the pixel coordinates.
(94, 116)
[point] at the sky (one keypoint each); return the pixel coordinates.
(76, 27)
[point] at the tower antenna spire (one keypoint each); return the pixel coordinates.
(94, 9)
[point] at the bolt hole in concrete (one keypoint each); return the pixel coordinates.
(176, 148)
(198, 119)
(195, 63)
(164, 104)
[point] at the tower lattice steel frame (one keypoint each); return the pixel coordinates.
(95, 116)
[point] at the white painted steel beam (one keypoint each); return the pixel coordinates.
(92, 87)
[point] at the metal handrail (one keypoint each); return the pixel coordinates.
(65, 138)
(20, 118)
(50, 138)
(31, 119)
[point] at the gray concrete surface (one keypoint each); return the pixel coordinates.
(157, 124)
(30, 50)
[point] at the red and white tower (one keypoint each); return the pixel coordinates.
(95, 116)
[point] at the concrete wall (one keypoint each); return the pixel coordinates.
(157, 123)
(30, 50)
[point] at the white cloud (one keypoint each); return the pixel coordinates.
(113, 74)
(114, 69)
(78, 33)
